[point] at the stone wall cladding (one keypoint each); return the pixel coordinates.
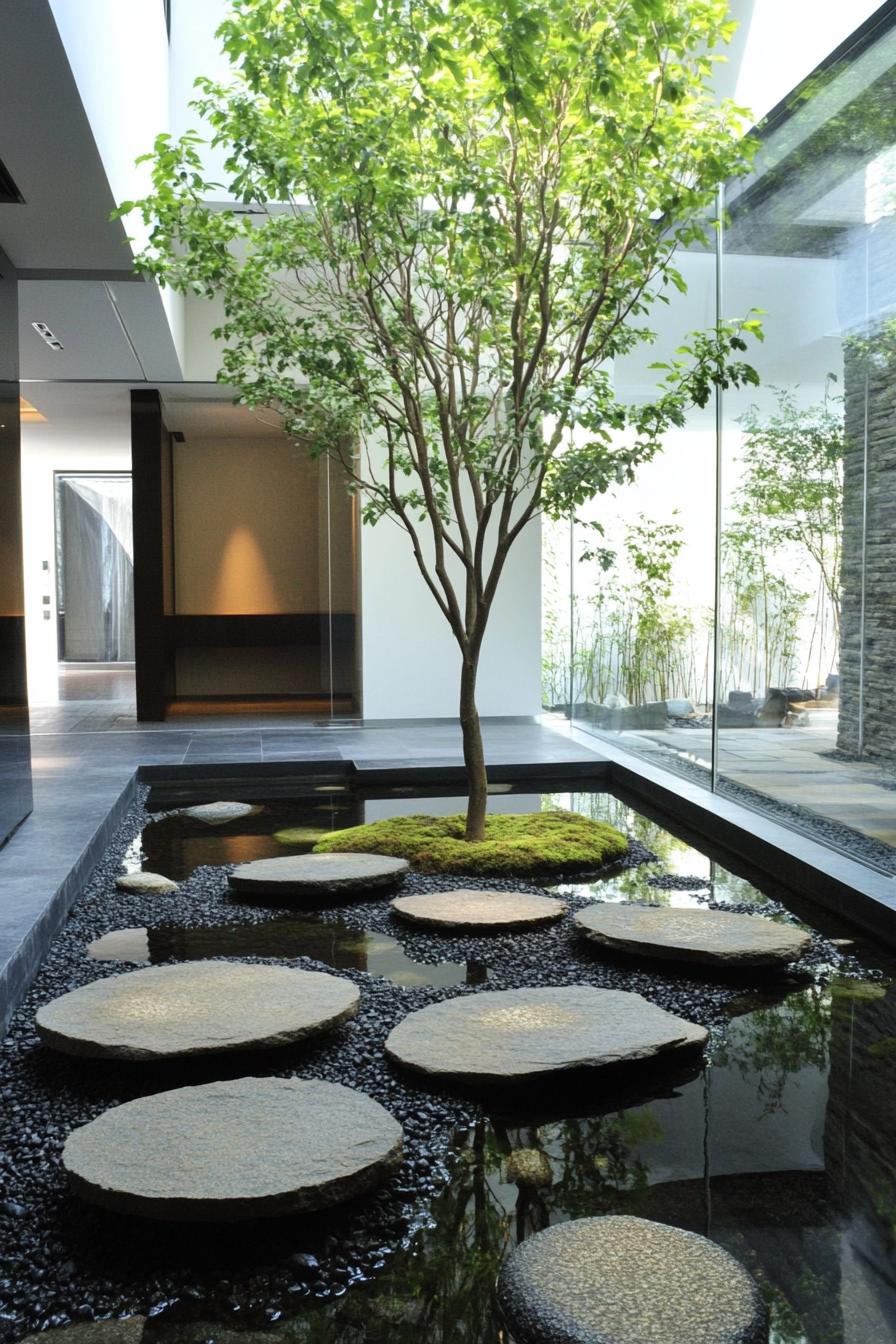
(871, 361)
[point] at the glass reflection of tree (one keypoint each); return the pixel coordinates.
(771, 1044)
(729, 889)
(595, 1163)
(631, 883)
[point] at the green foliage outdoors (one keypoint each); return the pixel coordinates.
(514, 846)
(461, 212)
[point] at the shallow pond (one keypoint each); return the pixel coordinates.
(780, 1147)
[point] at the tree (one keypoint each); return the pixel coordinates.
(462, 210)
(792, 485)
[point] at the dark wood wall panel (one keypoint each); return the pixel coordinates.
(150, 445)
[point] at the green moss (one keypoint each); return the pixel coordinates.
(534, 843)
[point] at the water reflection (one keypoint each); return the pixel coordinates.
(780, 1151)
(332, 942)
(682, 876)
(176, 844)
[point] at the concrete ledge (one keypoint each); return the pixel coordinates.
(22, 963)
(820, 875)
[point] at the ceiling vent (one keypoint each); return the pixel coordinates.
(46, 334)
(9, 192)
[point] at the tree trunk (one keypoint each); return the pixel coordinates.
(474, 755)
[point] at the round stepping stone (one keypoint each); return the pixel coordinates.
(215, 814)
(196, 1008)
(711, 937)
(511, 1035)
(621, 1280)
(468, 909)
(246, 1148)
(145, 883)
(317, 875)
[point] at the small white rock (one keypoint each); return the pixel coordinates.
(142, 883)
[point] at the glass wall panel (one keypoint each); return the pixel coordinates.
(787, 500)
(643, 570)
(807, 654)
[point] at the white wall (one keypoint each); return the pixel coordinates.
(410, 661)
(88, 428)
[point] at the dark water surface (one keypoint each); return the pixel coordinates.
(782, 1149)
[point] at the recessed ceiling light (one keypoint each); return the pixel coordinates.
(46, 334)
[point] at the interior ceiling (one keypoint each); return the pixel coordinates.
(197, 410)
(49, 151)
(107, 330)
(211, 414)
(110, 327)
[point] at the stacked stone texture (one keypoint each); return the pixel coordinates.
(870, 387)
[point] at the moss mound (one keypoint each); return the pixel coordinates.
(526, 845)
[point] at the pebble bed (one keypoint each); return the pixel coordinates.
(63, 1261)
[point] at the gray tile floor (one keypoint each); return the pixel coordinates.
(84, 754)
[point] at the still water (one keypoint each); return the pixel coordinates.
(782, 1148)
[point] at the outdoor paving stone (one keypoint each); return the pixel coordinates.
(622, 1280)
(469, 909)
(195, 1008)
(511, 1035)
(710, 937)
(145, 883)
(297, 875)
(226, 1151)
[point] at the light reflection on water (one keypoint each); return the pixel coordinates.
(332, 942)
(781, 1150)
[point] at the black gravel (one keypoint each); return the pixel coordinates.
(63, 1261)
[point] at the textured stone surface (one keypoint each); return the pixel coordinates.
(127, 1330)
(468, 909)
(515, 1034)
(145, 882)
(215, 814)
(866, 724)
(331, 874)
(246, 1148)
(711, 937)
(621, 1280)
(196, 1008)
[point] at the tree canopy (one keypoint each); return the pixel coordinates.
(460, 214)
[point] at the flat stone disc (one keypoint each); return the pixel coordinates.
(317, 874)
(511, 1035)
(196, 1008)
(247, 1148)
(712, 937)
(621, 1280)
(467, 909)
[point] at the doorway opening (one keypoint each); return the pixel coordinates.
(95, 585)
